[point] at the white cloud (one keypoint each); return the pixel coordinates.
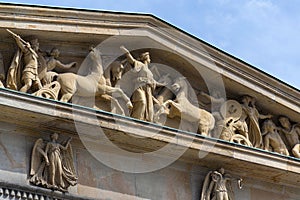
(258, 10)
(260, 4)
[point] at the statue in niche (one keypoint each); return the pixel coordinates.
(251, 117)
(2, 74)
(182, 107)
(93, 84)
(144, 85)
(47, 75)
(217, 186)
(25, 77)
(233, 127)
(272, 139)
(292, 134)
(52, 164)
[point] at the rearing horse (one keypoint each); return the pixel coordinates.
(182, 107)
(93, 84)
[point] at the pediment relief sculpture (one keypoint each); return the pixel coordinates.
(291, 135)
(47, 75)
(91, 85)
(113, 73)
(52, 164)
(23, 72)
(31, 72)
(233, 126)
(144, 84)
(241, 122)
(154, 95)
(182, 107)
(272, 139)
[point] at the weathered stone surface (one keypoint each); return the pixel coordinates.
(179, 181)
(25, 118)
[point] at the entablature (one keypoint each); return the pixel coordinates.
(88, 125)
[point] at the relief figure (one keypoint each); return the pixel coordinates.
(272, 139)
(233, 127)
(217, 186)
(113, 73)
(48, 75)
(144, 84)
(27, 75)
(251, 116)
(90, 85)
(292, 134)
(52, 164)
(182, 107)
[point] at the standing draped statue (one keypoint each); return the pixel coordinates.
(144, 85)
(52, 164)
(23, 72)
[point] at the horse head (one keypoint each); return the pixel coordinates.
(93, 63)
(94, 55)
(180, 85)
(116, 70)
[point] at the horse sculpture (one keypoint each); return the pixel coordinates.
(93, 84)
(182, 107)
(113, 73)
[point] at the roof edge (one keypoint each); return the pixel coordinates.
(164, 22)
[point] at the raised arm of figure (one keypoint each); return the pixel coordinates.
(65, 66)
(129, 57)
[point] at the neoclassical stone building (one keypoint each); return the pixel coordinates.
(135, 108)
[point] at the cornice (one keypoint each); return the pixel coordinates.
(125, 132)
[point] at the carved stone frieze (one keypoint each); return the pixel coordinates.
(291, 135)
(155, 95)
(182, 107)
(233, 127)
(272, 139)
(158, 99)
(144, 84)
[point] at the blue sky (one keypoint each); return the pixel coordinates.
(263, 33)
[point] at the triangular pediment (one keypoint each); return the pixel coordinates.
(200, 62)
(176, 57)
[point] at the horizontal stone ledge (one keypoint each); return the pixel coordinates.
(143, 137)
